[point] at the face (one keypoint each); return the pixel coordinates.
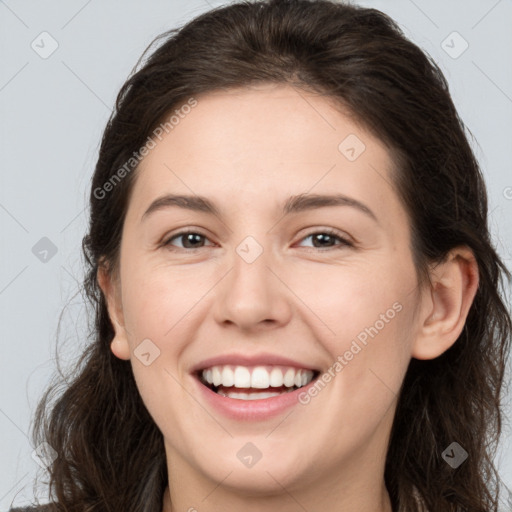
(272, 288)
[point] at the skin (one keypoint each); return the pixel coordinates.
(249, 150)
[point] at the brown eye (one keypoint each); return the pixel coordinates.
(190, 240)
(326, 239)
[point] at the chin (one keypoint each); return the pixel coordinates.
(267, 476)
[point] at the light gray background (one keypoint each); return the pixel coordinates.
(53, 112)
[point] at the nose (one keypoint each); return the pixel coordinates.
(252, 296)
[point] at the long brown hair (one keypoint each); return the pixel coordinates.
(110, 452)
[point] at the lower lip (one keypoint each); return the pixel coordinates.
(252, 410)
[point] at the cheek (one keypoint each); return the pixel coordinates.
(370, 356)
(156, 301)
(157, 304)
(370, 314)
(349, 298)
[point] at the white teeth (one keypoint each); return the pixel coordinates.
(242, 377)
(289, 377)
(276, 378)
(258, 377)
(228, 378)
(216, 376)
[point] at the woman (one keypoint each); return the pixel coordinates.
(234, 367)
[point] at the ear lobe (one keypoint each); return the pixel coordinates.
(454, 286)
(109, 286)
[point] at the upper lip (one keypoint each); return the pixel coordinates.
(247, 360)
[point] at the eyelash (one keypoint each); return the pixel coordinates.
(326, 231)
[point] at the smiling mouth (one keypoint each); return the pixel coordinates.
(254, 383)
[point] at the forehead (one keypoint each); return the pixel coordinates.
(259, 145)
(271, 121)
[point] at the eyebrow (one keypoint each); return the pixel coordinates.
(294, 204)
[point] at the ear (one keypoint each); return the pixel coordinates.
(446, 304)
(110, 286)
